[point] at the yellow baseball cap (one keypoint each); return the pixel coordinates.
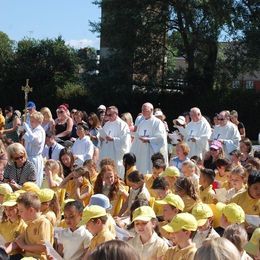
(202, 212)
(181, 221)
(30, 186)
(252, 247)
(171, 171)
(45, 195)
(143, 213)
(91, 212)
(233, 212)
(5, 188)
(174, 200)
(10, 199)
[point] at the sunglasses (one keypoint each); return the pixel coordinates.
(18, 158)
(6, 111)
(212, 149)
(221, 119)
(60, 111)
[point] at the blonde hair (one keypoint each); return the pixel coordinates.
(127, 117)
(192, 165)
(217, 249)
(15, 148)
(46, 112)
(239, 171)
(55, 166)
(38, 116)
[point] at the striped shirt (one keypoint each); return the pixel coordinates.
(20, 175)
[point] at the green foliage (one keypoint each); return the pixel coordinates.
(70, 90)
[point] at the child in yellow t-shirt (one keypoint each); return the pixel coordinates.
(12, 225)
(5, 189)
(38, 231)
(91, 168)
(50, 206)
(95, 218)
(207, 194)
(181, 230)
(222, 173)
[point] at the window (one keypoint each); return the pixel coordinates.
(235, 84)
(249, 84)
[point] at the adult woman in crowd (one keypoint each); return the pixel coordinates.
(245, 149)
(12, 123)
(48, 122)
(67, 161)
(19, 170)
(78, 118)
(63, 123)
(94, 125)
(127, 117)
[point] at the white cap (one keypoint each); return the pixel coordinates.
(101, 107)
(180, 120)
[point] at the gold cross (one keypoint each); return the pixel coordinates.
(27, 88)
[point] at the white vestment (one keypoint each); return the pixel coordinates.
(229, 134)
(120, 145)
(154, 129)
(201, 132)
(34, 140)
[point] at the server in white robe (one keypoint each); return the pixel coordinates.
(197, 133)
(115, 139)
(150, 138)
(34, 140)
(227, 133)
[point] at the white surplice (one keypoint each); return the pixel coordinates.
(120, 145)
(201, 132)
(154, 129)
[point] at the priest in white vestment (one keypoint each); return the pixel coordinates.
(227, 133)
(150, 138)
(115, 139)
(197, 133)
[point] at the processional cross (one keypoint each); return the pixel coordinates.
(26, 90)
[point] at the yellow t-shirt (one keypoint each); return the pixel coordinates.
(131, 169)
(221, 179)
(11, 230)
(207, 195)
(103, 236)
(249, 205)
(189, 203)
(177, 253)
(50, 215)
(71, 190)
(152, 249)
(38, 232)
(148, 180)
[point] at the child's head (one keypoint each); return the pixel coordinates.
(207, 177)
(73, 211)
(171, 174)
(129, 159)
(54, 166)
(66, 158)
(253, 183)
(231, 214)
(95, 218)
(135, 180)
(181, 228)
(157, 156)
(46, 196)
(204, 216)
(237, 177)
(100, 200)
(188, 168)
(29, 205)
(5, 189)
(222, 164)
(160, 186)
(144, 220)
(253, 246)
(237, 235)
(235, 156)
(245, 145)
(90, 165)
(10, 206)
(172, 205)
(184, 186)
(158, 166)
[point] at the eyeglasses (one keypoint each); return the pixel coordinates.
(213, 150)
(221, 119)
(6, 111)
(60, 111)
(18, 158)
(109, 115)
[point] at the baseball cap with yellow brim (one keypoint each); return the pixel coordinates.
(174, 200)
(143, 213)
(233, 212)
(202, 212)
(10, 199)
(181, 221)
(30, 186)
(5, 188)
(253, 246)
(45, 195)
(91, 212)
(171, 171)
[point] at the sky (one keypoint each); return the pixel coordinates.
(41, 19)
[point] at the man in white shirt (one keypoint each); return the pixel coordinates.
(150, 138)
(83, 148)
(197, 133)
(52, 148)
(115, 139)
(227, 133)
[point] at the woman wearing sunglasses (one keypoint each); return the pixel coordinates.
(19, 170)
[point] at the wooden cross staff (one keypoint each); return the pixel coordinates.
(26, 90)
